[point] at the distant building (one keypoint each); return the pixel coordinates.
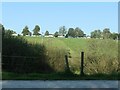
(15, 34)
(36, 35)
(88, 37)
(61, 36)
(50, 35)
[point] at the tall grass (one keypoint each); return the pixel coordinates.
(101, 57)
(20, 56)
(55, 51)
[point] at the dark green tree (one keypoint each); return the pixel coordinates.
(9, 33)
(106, 33)
(96, 34)
(66, 36)
(47, 33)
(56, 34)
(30, 33)
(79, 32)
(62, 30)
(36, 30)
(2, 30)
(114, 36)
(25, 31)
(119, 36)
(71, 32)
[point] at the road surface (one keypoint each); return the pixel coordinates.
(59, 84)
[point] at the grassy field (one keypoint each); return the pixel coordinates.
(101, 59)
(101, 56)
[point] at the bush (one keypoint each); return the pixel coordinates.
(101, 57)
(19, 56)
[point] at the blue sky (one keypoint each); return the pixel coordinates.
(50, 16)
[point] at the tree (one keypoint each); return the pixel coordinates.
(47, 33)
(36, 30)
(114, 36)
(79, 32)
(71, 32)
(2, 30)
(30, 33)
(56, 34)
(62, 30)
(119, 36)
(106, 33)
(66, 36)
(26, 31)
(96, 34)
(9, 33)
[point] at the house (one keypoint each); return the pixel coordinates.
(88, 37)
(15, 34)
(61, 36)
(50, 35)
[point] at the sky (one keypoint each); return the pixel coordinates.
(88, 16)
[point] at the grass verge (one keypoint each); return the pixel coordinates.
(58, 76)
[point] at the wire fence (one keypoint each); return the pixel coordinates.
(19, 56)
(27, 63)
(24, 64)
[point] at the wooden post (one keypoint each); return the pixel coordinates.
(67, 64)
(82, 64)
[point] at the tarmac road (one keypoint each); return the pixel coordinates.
(59, 84)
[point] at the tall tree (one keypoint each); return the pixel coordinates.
(114, 36)
(71, 32)
(47, 33)
(36, 30)
(96, 34)
(62, 30)
(106, 33)
(56, 34)
(119, 36)
(79, 32)
(2, 30)
(25, 31)
(30, 33)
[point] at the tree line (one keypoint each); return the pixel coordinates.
(105, 34)
(77, 32)
(71, 32)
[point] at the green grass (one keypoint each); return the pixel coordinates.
(58, 76)
(101, 56)
(58, 47)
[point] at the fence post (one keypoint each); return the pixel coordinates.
(82, 64)
(67, 64)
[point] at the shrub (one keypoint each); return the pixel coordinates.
(19, 56)
(101, 56)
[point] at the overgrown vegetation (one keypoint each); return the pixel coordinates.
(47, 55)
(102, 57)
(19, 56)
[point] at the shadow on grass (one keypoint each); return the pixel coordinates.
(58, 76)
(23, 61)
(20, 57)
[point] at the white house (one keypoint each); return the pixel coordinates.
(88, 37)
(15, 34)
(50, 35)
(61, 36)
